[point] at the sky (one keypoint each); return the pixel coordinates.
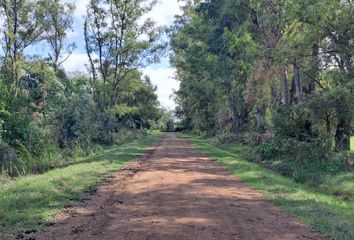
(161, 74)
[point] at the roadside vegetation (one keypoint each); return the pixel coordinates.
(271, 84)
(274, 77)
(316, 207)
(53, 122)
(31, 201)
(49, 117)
(326, 177)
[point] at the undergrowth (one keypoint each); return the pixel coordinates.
(23, 162)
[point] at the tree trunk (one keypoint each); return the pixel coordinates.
(328, 123)
(234, 120)
(297, 82)
(244, 113)
(261, 111)
(315, 68)
(285, 88)
(342, 136)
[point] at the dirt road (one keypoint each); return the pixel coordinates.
(175, 193)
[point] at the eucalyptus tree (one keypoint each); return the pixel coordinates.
(319, 39)
(22, 27)
(213, 43)
(193, 63)
(58, 20)
(119, 41)
(277, 66)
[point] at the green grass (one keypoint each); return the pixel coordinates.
(352, 147)
(340, 185)
(326, 213)
(27, 202)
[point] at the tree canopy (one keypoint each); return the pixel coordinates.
(46, 114)
(273, 69)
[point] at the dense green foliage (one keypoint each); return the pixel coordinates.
(48, 116)
(277, 75)
(316, 207)
(166, 121)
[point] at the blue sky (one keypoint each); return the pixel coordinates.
(161, 74)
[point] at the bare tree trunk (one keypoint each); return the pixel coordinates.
(285, 88)
(328, 123)
(96, 91)
(14, 61)
(273, 91)
(342, 139)
(315, 68)
(232, 113)
(261, 111)
(43, 92)
(297, 82)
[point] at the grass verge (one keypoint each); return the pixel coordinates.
(325, 213)
(27, 202)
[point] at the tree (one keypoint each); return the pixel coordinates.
(118, 44)
(23, 26)
(278, 68)
(59, 19)
(47, 116)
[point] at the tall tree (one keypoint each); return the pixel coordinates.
(23, 26)
(240, 60)
(59, 20)
(118, 43)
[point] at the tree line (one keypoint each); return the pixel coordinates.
(277, 74)
(48, 116)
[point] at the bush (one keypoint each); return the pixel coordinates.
(8, 159)
(304, 161)
(226, 138)
(341, 185)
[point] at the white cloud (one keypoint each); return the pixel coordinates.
(164, 12)
(163, 78)
(75, 63)
(80, 7)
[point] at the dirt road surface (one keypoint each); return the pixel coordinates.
(175, 193)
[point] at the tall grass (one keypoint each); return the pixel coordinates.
(51, 156)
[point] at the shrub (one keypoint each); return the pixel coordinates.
(8, 159)
(226, 138)
(304, 161)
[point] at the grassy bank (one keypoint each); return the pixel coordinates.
(27, 202)
(321, 210)
(51, 156)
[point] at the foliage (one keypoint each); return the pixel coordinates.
(278, 70)
(46, 117)
(7, 159)
(166, 122)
